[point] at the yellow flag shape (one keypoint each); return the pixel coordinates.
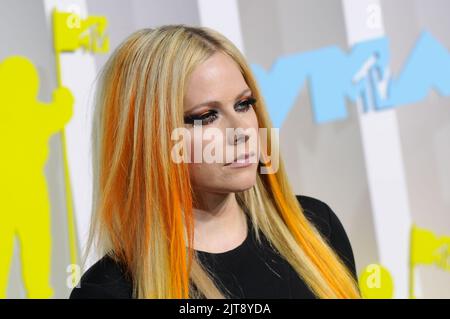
(71, 32)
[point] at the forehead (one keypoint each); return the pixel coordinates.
(218, 78)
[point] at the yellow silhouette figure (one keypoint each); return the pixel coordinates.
(25, 128)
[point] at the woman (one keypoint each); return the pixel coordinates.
(171, 229)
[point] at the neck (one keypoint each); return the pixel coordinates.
(219, 223)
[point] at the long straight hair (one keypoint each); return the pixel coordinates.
(142, 208)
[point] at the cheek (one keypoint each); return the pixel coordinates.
(204, 175)
(195, 148)
(194, 142)
(201, 148)
(201, 173)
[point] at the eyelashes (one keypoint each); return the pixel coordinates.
(247, 104)
(211, 115)
(205, 118)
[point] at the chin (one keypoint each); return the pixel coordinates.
(241, 184)
(241, 189)
(231, 180)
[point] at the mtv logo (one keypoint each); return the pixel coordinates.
(335, 77)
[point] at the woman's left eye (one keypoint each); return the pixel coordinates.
(245, 105)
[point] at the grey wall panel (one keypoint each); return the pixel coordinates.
(424, 128)
(125, 17)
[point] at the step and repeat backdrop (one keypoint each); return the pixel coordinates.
(360, 90)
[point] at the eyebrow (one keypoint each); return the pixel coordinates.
(217, 102)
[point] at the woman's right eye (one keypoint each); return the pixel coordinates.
(204, 118)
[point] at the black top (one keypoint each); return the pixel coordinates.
(247, 271)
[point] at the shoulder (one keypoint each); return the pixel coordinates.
(328, 224)
(104, 279)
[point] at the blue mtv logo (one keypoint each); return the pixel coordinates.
(364, 73)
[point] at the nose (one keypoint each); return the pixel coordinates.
(238, 130)
(240, 134)
(240, 137)
(237, 136)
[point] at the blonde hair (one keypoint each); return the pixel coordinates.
(142, 201)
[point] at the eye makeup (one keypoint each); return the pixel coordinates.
(210, 116)
(244, 105)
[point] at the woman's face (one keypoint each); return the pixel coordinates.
(218, 97)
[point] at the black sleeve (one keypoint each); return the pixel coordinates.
(91, 291)
(105, 279)
(329, 225)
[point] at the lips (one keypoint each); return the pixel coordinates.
(241, 158)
